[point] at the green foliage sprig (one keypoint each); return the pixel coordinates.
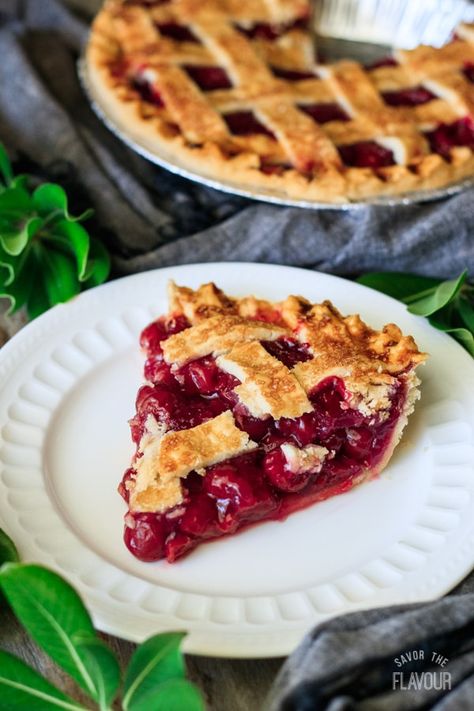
(46, 256)
(448, 305)
(55, 617)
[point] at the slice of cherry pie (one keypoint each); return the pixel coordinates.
(253, 410)
(231, 90)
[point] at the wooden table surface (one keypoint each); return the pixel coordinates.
(227, 684)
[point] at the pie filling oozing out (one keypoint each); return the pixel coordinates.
(234, 91)
(253, 410)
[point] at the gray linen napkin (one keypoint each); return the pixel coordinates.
(150, 218)
(391, 659)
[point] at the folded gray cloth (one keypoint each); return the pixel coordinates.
(150, 218)
(391, 659)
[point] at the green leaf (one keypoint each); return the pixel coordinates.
(8, 551)
(98, 265)
(442, 295)
(154, 662)
(54, 615)
(20, 181)
(22, 689)
(15, 242)
(465, 337)
(5, 166)
(466, 312)
(172, 695)
(15, 203)
(19, 291)
(10, 264)
(50, 198)
(38, 301)
(397, 285)
(46, 257)
(103, 667)
(75, 240)
(59, 275)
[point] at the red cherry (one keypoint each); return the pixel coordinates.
(151, 337)
(200, 517)
(288, 350)
(240, 491)
(255, 427)
(199, 376)
(304, 429)
(146, 540)
(157, 400)
(223, 481)
(175, 324)
(178, 544)
(158, 372)
(279, 474)
(358, 444)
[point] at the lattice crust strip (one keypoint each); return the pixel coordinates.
(232, 90)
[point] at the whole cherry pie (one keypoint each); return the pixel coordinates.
(253, 410)
(231, 90)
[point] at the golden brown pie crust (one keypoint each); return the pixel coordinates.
(368, 361)
(190, 127)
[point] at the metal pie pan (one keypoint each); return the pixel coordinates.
(347, 40)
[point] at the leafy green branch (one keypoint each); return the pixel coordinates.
(448, 305)
(55, 617)
(46, 255)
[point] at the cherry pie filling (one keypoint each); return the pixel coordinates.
(208, 78)
(259, 484)
(179, 33)
(446, 136)
(269, 167)
(366, 154)
(293, 74)
(468, 72)
(322, 113)
(243, 123)
(269, 32)
(147, 91)
(414, 96)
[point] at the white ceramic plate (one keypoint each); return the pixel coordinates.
(68, 383)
